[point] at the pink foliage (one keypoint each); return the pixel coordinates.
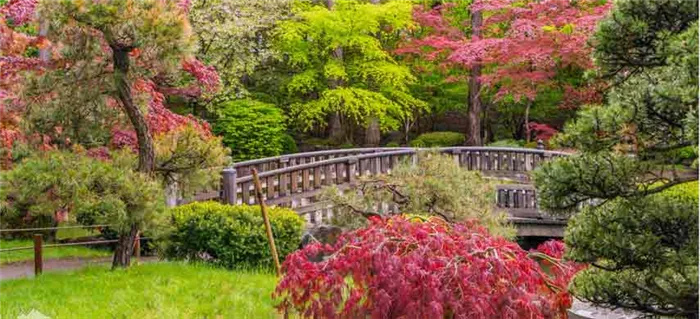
(19, 11)
(159, 119)
(205, 75)
(398, 268)
(540, 38)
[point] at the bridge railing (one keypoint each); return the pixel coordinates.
(283, 161)
(299, 180)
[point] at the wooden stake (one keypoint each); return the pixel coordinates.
(38, 259)
(268, 228)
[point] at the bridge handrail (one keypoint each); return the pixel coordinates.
(241, 167)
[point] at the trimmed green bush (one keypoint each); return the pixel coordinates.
(252, 129)
(508, 143)
(289, 145)
(231, 236)
(438, 139)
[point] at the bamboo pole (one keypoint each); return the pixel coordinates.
(268, 228)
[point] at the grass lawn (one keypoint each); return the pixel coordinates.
(49, 252)
(154, 290)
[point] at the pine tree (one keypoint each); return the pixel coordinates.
(634, 183)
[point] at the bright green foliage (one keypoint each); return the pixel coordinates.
(234, 37)
(251, 129)
(289, 145)
(340, 64)
(438, 139)
(231, 236)
(435, 186)
(150, 290)
(638, 230)
(43, 187)
(507, 143)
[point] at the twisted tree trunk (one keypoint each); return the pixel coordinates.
(120, 56)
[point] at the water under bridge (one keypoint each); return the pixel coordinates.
(297, 180)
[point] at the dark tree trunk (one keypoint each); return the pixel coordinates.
(528, 136)
(125, 248)
(474, 110)
(120, 55)
(372, 133)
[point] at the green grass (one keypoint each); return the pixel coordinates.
(155, 290)
(48, 252)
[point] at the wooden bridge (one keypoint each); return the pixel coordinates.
(296, 180)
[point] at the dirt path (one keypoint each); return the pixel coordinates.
(26, 269)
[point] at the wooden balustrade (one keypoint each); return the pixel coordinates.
(296, 180)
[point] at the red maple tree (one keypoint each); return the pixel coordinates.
(399, 268)
(522, 46)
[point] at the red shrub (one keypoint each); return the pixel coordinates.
(398, 268)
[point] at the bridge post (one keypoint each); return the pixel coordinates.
(457, 154)
(229, 186)
(540, 144)
(351, 168)
(284, 162)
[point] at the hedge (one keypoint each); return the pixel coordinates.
(438, 139)
(231, 236)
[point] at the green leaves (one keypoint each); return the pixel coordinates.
(86, 188)
(340, 63)
(251, 129)
(231, 236)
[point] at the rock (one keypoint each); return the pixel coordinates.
(327, 234)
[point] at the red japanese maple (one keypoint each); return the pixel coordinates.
(522, 46)
(398, 268)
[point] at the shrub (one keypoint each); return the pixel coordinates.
(289, 145)
(397, 268)
(507, 143)
(231, 236)
(435, 186)
(251, 129)
(61, 186)
(438, 139)
(392, 144)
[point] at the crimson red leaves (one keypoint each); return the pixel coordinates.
(398, 268)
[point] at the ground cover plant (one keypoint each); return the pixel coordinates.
(152, 290)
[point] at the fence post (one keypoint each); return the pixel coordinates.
(38, 259)
(229, 185)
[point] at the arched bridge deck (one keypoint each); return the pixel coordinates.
(296, 180)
